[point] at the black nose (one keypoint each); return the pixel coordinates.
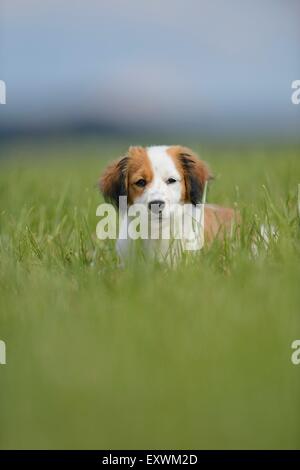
(156, 206)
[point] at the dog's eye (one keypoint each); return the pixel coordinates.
(171, 181)
(141, 183)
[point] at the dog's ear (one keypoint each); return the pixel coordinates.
(113, 182)
(196, 174)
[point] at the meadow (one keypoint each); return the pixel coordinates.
(147, 356)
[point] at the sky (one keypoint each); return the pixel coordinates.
(217, 66)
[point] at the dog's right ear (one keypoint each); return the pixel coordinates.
(113, 182)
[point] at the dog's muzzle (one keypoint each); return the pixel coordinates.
(156, 206)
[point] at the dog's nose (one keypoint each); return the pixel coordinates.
(156, 206)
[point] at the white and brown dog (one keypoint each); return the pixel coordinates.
(166, 180)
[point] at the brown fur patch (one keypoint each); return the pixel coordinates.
(120, 177)
(219, 221)
(139, 167)
(113, 182)
(195, 172)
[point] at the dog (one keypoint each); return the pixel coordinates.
(170, 183)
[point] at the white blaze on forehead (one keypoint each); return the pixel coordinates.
(162, 163)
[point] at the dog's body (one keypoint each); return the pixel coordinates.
(170, 182)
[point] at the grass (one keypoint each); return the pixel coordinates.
(146, 357)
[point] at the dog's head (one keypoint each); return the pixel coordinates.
(157, 177)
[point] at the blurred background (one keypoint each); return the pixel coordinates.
(207, 69)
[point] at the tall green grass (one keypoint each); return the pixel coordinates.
(146, 357)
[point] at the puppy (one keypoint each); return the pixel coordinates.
(169, 182)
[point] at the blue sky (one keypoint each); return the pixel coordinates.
(215, 65)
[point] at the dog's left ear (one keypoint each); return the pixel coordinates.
(196, 174)
(113, 182)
